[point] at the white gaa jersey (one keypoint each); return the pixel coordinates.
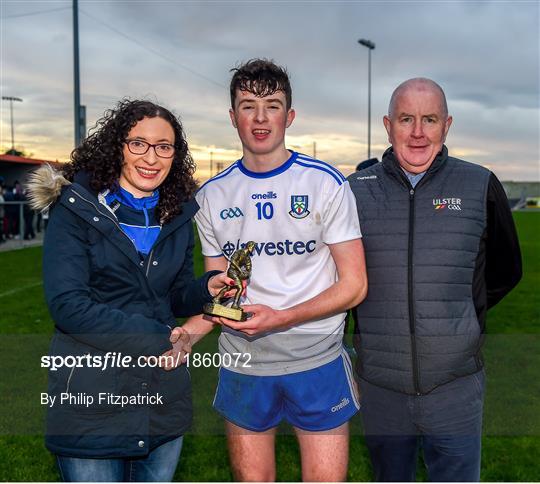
(292, 213)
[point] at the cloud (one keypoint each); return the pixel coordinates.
(484, 54)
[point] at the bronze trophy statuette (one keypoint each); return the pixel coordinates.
(239, 270)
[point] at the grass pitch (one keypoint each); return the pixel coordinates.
(511, 443)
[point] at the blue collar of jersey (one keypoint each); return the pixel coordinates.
(126, 198)
(268, 174)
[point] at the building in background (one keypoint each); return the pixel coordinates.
(522, 194)
(16, 168)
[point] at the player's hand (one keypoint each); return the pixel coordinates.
(263, 319)
(175, 357)
(218, 282)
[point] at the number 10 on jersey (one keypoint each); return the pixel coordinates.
(264, 210)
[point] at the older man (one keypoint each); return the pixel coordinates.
(441, 249)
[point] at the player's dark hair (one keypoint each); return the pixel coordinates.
(262, 77)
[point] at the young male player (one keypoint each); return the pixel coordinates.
(307, 270)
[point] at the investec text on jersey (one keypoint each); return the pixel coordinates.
(286, 247)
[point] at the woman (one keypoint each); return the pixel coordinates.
(117, 270)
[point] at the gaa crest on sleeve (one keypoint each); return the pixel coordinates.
(299, 206)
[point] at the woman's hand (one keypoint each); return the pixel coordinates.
(218, 282)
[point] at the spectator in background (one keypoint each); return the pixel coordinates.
(28, 214)
(366, 164)
(11, 214)
(45, 215)
(39, 220)
(18, 196)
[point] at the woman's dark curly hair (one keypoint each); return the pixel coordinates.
(101, 155)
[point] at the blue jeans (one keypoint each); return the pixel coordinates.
(159, 465)
(446, 424)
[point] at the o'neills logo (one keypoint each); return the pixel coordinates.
(449, 203)
(341, 404)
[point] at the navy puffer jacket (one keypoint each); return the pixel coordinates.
(104, 297)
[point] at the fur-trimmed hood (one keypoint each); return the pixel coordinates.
(45, 186)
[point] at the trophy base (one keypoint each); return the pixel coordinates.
(213, 309)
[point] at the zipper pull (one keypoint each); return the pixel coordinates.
(411, 192)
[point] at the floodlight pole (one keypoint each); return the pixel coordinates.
(76, 81)
(371, 46)
(11, 99)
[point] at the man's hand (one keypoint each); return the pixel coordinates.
(263, 319)
(181, 342)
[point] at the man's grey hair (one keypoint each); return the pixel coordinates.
(420, 83)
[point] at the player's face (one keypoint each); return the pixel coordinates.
(417, 128)
(261, 122)
(142, 174)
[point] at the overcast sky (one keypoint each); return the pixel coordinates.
(484, 54)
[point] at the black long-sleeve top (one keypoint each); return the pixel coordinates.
(498, 266)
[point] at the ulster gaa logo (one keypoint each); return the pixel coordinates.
(299, 206)
(450, 203)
